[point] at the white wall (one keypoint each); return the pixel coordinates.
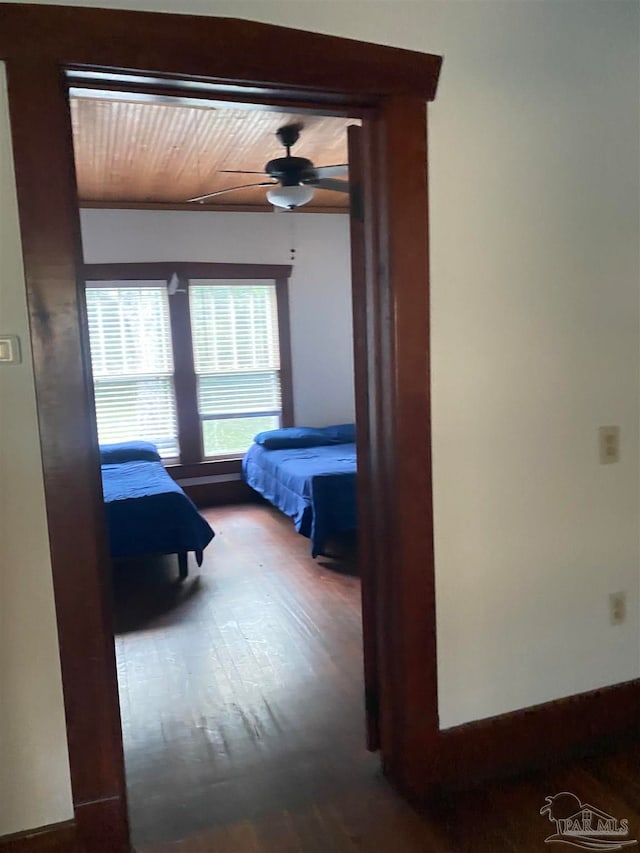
(34, 767)
(319, 288)
(535, 179)
(535, 188)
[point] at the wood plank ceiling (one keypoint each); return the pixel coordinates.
(142, 153)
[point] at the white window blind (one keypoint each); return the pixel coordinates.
(132, 361)
(237, 361)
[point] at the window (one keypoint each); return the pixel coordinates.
(132, 361)
(236, 353)
(198, 373)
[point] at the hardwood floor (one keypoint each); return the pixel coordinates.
(240, 690)
(241, 697)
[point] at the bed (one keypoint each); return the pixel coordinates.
(310, 475)
(147, 511)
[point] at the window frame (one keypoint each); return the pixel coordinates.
(137, 285)
(190, 439)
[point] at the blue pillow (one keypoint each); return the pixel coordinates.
(128, 451)
(341, 433)
(289, 437)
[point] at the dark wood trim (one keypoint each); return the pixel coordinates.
(184, 377)
(362, 217)
(214, 91)
(219, 482)
(101, 828)
(186, 270)
(215, 50)
(538, 737)
(284, 339)
(108, 87)
(410, 718)
(220, 494)
(211, 468)
(87, 204)
(380, 401)
(55, 838)
(51, 246)
(202, 208)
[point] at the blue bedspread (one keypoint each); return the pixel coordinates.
(148, 513)
(315, 486)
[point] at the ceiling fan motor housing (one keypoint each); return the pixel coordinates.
(290, 171)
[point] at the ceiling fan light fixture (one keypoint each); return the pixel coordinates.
(290, 197)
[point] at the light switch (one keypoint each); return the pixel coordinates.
(9, 349)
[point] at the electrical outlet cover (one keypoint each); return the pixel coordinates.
(609, 444)
(617, 607)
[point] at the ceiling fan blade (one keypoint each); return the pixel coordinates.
(332, 171)
(232, 189)
(239, 172)
(330, 184)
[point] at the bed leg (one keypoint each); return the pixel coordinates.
(183, 564)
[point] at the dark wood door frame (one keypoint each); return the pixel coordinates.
(391, 88)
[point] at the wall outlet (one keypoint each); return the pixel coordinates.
(617, 607)
(609, 444)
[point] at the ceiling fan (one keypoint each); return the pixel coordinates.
(293, 179)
